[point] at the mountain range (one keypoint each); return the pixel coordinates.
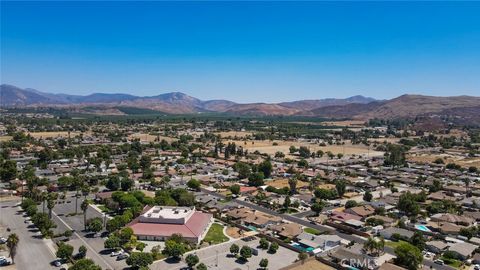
(356, 107)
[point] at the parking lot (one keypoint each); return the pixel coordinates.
(218, 258)
(32, 252)
(94, 245)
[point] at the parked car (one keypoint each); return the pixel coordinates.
(116, 253)
(476, 267)
(57, 263)
(440, 262)
(3, 240)
(122, 256)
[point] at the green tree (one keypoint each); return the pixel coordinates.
(273, 248)
(340, 187)
(234, 249)
(256, 179)
(245, 253)
(95, 225)
(12, 244)
(194, 184)
(235, 189)
(263, 243)
(201, 266)
(263, 263)
(408, 256)
(64, 251)
(367, 196)
(191, 260)
(266, 168)
(302, 256)
(139, 259)
(174, 249)
(84, 207)
(112, 242)
(408, 204)
(82, 252)
(350, 204)
(418, 240)
(317, 207)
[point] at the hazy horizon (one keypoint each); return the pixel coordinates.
(243, 52)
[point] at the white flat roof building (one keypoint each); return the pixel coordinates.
(167, 215)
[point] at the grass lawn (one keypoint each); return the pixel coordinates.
(103, 208)
(215, 234)
(393, 244)
(311, 231)
(452, 262)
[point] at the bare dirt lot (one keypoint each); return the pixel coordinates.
(283, 182)
(271, 147)
(460, 160)
(53, 134)
(144, 137)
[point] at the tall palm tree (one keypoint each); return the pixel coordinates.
(84, 207)
(51, 198)
(12, 243)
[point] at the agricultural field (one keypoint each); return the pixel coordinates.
(269, 148)
(430, 158)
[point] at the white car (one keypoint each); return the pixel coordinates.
(116, 253)
(476, 267)
(3, 240)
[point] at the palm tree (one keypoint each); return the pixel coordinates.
(51, 198)
(12, 243)
(84, 207)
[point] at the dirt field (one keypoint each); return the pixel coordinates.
(239, 134)
(312, 264)
(53, 134)
(5, 138)
(430, 158)
(144, 137)
(284, 146)
(283, 182)
(233, 232)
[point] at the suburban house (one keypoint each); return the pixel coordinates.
(160, 222)
(324, 241)
(389, 232)
(463, 250)
(362, 211)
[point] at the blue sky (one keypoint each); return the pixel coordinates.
(245, 52)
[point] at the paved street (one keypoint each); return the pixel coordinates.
(33, 252)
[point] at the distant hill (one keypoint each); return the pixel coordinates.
(459, 108)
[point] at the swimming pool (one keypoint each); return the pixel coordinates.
(303, 247)
(422, 228)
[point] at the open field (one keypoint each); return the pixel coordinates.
(144, 137)
(312, 264)
(5, 138)
(460, 160)
(53, 134)
(268, 147)
(239, 134)
(283, 182)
